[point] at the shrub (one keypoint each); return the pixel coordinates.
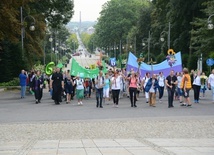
(14, 82)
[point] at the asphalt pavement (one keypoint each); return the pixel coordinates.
(27, 128)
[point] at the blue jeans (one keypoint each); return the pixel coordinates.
(23, 90)
(99, 96)
(161, 91)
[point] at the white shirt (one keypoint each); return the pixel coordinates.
(197, 81)
(79, 84)
(211, 80)
(179, 81)
(152, 90)
(146, 79)
(115, 83)
(161, 81)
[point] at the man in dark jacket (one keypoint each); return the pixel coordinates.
(57, 84)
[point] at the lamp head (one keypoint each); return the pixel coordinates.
(210, 26)
(32, 27)
(162, 39)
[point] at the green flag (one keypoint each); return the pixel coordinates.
(77, 69)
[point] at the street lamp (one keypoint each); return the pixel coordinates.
(32, 26)
(51, 41)
(209, 22)
(168, 36)
(148, 40)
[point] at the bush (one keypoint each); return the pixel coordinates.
(14, 82)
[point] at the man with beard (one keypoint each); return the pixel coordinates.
(57, 84)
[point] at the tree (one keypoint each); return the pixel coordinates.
(116, 19)
(52, 13)
(72, 42)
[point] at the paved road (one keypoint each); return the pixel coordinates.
(30, 129)
(14, 109)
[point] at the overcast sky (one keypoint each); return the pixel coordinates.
(89, 9)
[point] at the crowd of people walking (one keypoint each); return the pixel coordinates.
(118, 83)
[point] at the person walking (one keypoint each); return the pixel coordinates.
(115, 87)
(57, 84)
(171, 82)
(37, 83)
(186, 85)
(144, 82)
(23, 82)
(106, 88)
(161, 84)
(211, 84)
(79, 89)
(179, 89)
(197, 86)
(133, 82)
(151, 88)
(203, 84)
(68, 88)
(99, 84)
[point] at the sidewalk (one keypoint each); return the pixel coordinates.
(110, 147)
(27, 128)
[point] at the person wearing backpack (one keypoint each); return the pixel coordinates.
(99, 84)
(79, 89)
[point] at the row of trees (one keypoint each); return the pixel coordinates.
(48, 17)
(130, 23)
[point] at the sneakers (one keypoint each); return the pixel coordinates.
(196, 101)
(189, 105)
(183, 104)
(37, 101)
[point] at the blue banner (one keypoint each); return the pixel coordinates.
(156, 68)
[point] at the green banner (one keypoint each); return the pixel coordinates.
(77, 69)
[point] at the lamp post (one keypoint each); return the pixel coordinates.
(168, 36)
(32, 26)
(148, 40)
(51, 41)
(209, 22)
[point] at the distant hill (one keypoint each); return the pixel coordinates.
(72, 26)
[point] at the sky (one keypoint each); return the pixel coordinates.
(89, 9)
